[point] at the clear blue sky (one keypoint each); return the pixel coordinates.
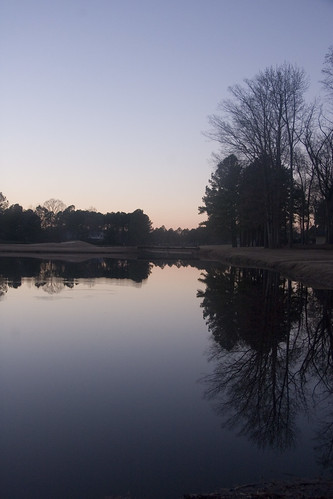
(103, 102)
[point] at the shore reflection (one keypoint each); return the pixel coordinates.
(54, 276)
(273, 355)
(107, 370)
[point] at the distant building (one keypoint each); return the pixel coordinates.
(96, 236)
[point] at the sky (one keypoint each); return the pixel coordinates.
(104, 103)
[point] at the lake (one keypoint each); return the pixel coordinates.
(155, 379)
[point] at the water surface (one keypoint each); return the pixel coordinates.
(151, 380)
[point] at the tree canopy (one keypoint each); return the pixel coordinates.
(54, 222)
(285, 149)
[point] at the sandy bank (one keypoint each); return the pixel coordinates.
(313, 267)
(74, 251)
(64, 248)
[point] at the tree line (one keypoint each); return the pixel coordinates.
(53, 221)
(274, 185)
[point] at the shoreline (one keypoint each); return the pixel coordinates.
(318, 488)
(312, 266)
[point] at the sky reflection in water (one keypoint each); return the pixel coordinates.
(99, 382)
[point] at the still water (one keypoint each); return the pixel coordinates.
(150, 380)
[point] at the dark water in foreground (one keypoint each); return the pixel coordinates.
(121, 377)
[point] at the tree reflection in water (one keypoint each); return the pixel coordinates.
(272, 352)
(3, 286)
(53, 276)
(50, 278)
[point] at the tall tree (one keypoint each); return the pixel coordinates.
(327, 71)
(288, 87)
(260, 123)
(305, 194)
(252, 206)
(139, 228)
(221, 200)
(318, 140)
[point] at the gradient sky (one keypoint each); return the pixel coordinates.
(103, 102)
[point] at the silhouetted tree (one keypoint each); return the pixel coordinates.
(221, 200)
(18, 225)
(318, 140)
(139, 228)
(252, 206)
(116, 228)
(54, 205)
(327, 71)
(288, 85)
(261, 123)
(305, 195)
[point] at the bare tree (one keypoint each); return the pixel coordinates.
(3, 202)
(261, 122)
(318, 140)
(49, 212)
(289, 84)
(306, 186)
(327, 71)
(54, 205)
